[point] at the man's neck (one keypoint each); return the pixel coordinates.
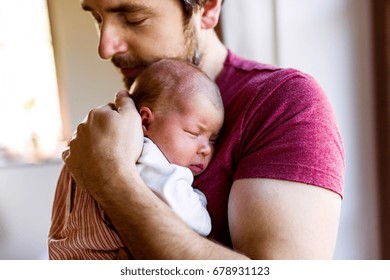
(214, 56)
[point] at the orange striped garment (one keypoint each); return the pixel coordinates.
(80, 230)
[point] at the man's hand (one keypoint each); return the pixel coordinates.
(108, 141)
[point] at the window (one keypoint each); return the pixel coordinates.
(30, 119)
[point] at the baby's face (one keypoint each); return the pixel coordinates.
(188, 139)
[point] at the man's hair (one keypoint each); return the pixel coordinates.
(167, 80)
(192, 6)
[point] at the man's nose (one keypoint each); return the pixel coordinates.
(111, 41)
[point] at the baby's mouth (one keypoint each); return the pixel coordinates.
(196, 168)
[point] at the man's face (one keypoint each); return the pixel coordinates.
(135, 33)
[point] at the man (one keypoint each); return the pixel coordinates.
(274, 187)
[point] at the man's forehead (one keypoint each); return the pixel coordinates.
(128, 6)
(113, 3)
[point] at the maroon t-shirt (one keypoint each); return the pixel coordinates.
(278, 124)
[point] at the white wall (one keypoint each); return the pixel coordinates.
(248, 27)
(86, 80)
(26, 196)
(329, 39)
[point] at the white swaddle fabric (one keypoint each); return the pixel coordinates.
(173, 184)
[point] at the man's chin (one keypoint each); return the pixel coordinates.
(130, 74)
(127, 82)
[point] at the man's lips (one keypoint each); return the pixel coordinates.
(130, 72)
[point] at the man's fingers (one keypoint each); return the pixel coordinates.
(122, 93)
(105, 107)
(123, 102)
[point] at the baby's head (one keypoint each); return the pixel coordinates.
(181, 111)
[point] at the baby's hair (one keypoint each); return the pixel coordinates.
(163, 81)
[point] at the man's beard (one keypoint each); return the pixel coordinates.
(191, 54)
(192, 49)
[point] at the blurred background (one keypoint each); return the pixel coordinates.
(51, 76)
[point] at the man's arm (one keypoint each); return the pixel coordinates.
(149, 227)
(273, 219)
(269, 219)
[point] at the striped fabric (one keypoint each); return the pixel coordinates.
(77, 230)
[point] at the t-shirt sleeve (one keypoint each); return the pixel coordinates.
(290, 133)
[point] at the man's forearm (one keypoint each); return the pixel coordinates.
(149, 228)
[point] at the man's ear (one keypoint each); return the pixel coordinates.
(146, 118)
(210, 14)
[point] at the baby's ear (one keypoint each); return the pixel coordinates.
(146, 118)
